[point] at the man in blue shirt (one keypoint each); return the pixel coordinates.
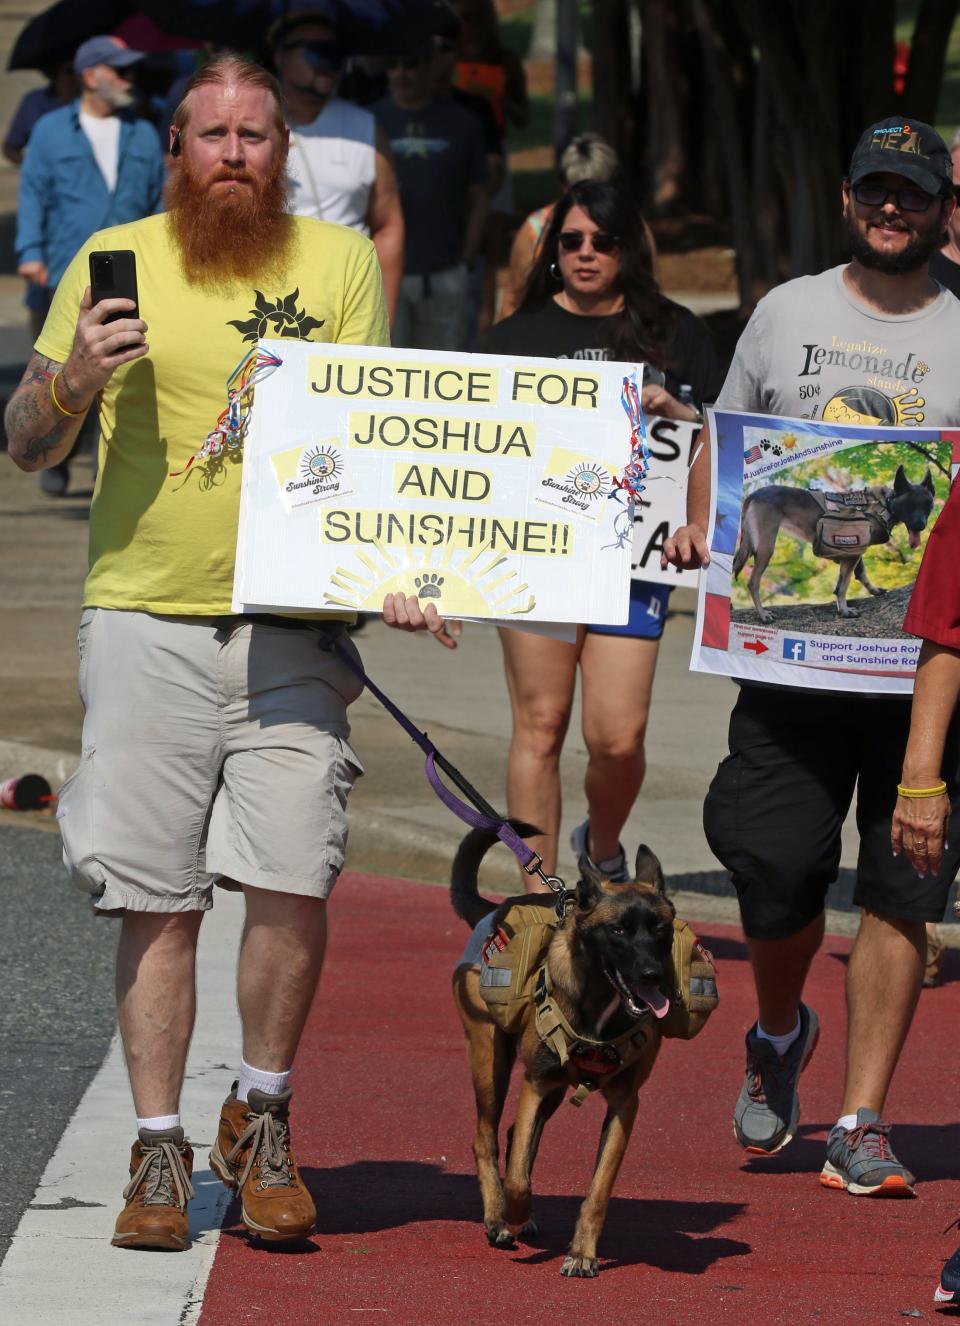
(88, 166)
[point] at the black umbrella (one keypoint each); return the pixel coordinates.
(364, 27)
(55, 34)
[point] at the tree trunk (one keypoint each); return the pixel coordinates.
(613, 99)
(662, 150)
(543, 35)
(931, 33)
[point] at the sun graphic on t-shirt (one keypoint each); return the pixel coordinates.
(867, 405)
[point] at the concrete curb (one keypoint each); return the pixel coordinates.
(404, 845)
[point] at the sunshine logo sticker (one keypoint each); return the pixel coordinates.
(311, 474)
(575, 483)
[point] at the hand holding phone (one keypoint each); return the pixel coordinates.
(100, 344)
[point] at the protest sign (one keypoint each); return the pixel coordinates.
(488, 486)
(816, 536)
(662, 506)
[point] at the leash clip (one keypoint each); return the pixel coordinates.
(561, 892)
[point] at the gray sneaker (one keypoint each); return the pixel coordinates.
(579, 839)
(768, 1107)
(862, 1161)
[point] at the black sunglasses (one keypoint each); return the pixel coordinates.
(907, 200)
(571, 241)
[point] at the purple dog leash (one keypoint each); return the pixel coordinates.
(479, 815)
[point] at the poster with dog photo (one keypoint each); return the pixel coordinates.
(816, 537)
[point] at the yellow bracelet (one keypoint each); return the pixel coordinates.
(918, 793)
(71, 414)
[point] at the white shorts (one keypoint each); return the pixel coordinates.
(214, 750)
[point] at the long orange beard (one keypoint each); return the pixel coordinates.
(226, 237)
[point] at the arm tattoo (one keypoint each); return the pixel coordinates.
(40, 369)
(33, 428)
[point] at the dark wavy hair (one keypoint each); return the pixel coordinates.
(642, 330)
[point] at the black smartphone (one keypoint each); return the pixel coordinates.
(113, 275)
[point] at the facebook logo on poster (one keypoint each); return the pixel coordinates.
(795, 650)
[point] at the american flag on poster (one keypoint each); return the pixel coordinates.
(753, 454)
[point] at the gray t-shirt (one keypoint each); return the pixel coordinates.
(812, 350)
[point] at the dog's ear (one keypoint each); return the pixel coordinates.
(901, 484)
(588, 885)
(648, 870)
(927, 482)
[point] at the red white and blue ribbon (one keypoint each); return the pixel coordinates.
(635, 471)
(231, 426)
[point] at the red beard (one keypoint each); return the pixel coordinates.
(226, 236)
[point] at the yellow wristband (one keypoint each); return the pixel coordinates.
(71, 414)
(918, 793)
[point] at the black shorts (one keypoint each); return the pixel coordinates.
(777, 803)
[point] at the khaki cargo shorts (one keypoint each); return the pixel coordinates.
(214, 749)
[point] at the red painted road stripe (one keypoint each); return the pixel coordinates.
(697, 1230)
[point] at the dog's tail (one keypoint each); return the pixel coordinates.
(466, 901)
(745, 546)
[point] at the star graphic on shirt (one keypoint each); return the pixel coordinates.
(281, 318)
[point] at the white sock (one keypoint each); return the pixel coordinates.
(611, 864)
(160, 1123)
(780, 1043)
(258, 1080)
(847, 1121)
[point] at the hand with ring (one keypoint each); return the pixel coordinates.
(919, 828)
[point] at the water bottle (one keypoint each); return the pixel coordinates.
(29, 792)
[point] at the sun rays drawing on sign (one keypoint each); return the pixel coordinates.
(322, 463)
(588, 479)
(478, 583)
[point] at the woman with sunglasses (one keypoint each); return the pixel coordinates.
(591, 295)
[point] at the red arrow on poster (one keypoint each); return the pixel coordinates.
(757, 646)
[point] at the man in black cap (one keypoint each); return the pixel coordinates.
(874, 341)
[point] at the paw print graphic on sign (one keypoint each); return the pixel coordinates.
(428, 585)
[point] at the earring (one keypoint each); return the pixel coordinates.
(554, 270)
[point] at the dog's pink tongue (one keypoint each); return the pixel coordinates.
(913, 539)
(653, 996)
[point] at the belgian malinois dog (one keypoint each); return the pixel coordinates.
(779, 506)
(605, 966)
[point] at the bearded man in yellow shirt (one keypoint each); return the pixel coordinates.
(215, 747)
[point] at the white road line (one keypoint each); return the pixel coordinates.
(60, 1267)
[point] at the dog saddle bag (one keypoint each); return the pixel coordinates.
(848, 525)
(693, 995)
(511, 958)
(515, 952)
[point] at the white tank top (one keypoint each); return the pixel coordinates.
(332, 165)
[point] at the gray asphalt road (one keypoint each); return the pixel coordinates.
(56, 1014)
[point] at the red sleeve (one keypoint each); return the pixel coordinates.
(934, 611)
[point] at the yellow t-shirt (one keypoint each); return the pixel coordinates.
(167, 545)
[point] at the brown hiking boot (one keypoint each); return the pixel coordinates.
(155, 1215)
(252, 1153)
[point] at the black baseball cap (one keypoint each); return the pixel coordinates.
(907, 147)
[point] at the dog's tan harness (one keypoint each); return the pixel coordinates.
(596, 1062)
